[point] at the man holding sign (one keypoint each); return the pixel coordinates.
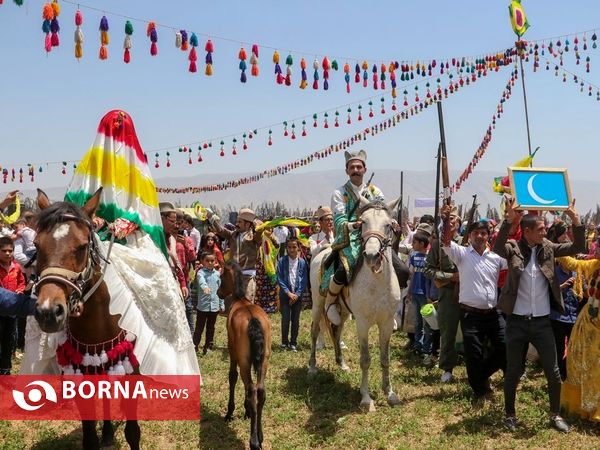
(531, 289)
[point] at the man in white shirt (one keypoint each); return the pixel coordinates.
(531, 288)
(324, 238)
(478, 270)
(192, 232)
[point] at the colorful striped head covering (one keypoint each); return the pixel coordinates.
(117, 163)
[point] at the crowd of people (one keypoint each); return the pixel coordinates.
(529, 280)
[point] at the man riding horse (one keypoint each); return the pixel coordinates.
(347, 246)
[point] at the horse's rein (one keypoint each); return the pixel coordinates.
(77, 280)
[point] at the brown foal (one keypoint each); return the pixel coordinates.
(249, 344)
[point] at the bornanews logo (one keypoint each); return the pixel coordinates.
(95, 397)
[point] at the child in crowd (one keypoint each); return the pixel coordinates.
(11, 278)
(209, 303)
(418, 292)
(292, 277)
(26, 234)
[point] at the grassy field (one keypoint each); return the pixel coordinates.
(324, 412)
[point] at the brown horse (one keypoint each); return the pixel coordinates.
(71, 295)
(249, 344)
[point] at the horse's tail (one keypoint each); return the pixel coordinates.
(257, 344)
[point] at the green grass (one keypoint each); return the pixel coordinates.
(324, 413)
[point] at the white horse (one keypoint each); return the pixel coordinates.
(320, 323)
(374, 297)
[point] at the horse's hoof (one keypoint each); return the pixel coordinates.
(393, 399)
(312, 371)
(228, 418)
(368, 407)
(345, 367)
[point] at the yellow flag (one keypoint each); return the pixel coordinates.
(518, 19)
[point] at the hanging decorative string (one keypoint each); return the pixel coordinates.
(361, 136)
(9, 174)
(584, 86)
(487, 138)
(410, 68)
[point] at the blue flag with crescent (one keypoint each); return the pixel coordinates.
(540, 188)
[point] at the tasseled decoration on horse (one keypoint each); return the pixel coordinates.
(103, 38)
(78, 35)
(127, 42)
(153, 35)
(209, 49)
(193, 56)
(242, 56)
(303, 81)
(254, 61)
(48, 16)
(118, 359)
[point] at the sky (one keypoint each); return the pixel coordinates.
(51, 104)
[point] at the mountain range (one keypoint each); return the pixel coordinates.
(312, 189)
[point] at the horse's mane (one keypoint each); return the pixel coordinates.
(375, 204)
(53, 215)
(238, 286)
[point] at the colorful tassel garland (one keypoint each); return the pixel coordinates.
(153, 35)
(365, 68)
(316, 74)
(48, 16)
(192, 56)
(54, 26)
(347, 76)
(127, 42)
(254, 61)
(289, 61)
(242, 57)
(184, 40)
(178, 39)
(78, 35)
(277, 70)
(209, 48)
(375, 77)
(326, 66)
(103, 38)
(303, 81)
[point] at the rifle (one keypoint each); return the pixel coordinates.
(396, 244)
(470, 219)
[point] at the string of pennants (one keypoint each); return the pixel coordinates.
(380, 75)
(342, 145)
(414, 94)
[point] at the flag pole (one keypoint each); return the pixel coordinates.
(520, 53)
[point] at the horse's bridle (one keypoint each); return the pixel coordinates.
(384, 240)
(75, 281)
